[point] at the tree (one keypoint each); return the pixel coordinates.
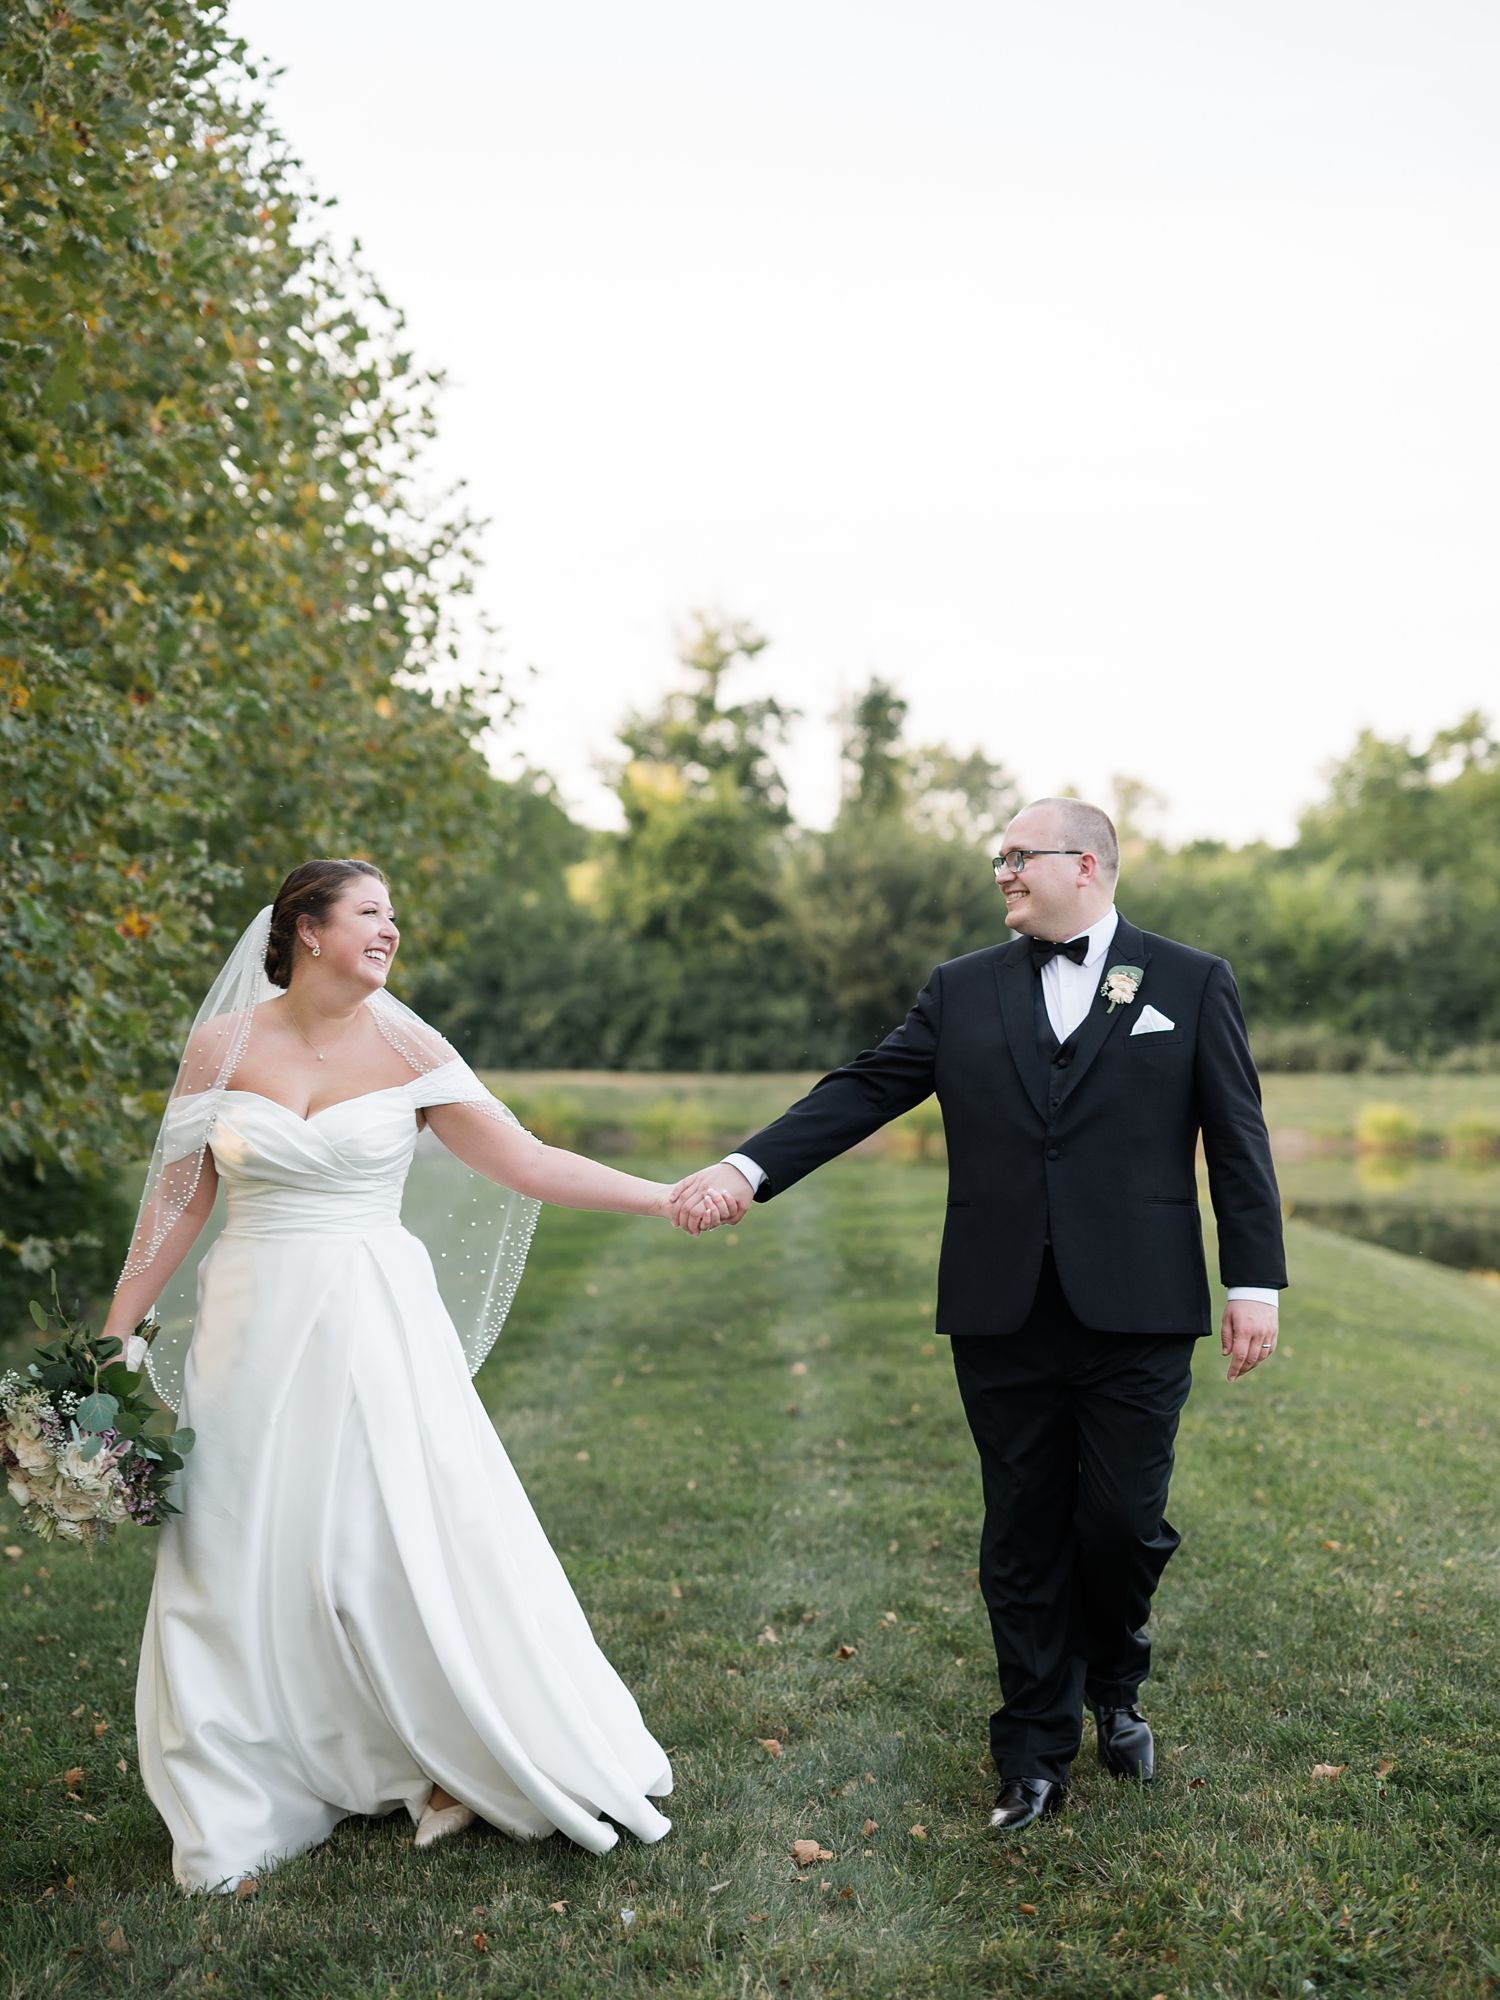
(901, 880)
(221, 609)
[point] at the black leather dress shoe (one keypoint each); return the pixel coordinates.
(1125, 1743)
(1023, 1801)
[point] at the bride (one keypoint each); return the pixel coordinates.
(356, 1608)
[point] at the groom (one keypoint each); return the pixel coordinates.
(1076, 1068)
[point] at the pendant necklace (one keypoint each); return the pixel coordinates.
(319, 1053)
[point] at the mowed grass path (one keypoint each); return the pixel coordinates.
(756, 1434)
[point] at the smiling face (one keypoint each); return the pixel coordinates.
(1054, 896)
(358, 940)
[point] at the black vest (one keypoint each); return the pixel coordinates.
(1057, 1056)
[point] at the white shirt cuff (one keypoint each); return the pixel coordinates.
(754, 1174)
(1256, 1294)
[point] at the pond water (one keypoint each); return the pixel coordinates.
(1447, 1210)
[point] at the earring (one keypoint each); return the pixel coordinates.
(317, 951)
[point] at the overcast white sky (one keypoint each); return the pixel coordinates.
(1119, 380)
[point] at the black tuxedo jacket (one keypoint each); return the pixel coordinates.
(1098, 1155)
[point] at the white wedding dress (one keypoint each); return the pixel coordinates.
(357, 1599)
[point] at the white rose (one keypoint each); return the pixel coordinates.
(68, 1504)
(20, 1492)
(32, 1453)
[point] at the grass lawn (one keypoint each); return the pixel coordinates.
(1329, 1106)
(756, 1435)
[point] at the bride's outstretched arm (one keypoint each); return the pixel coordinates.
(136, 1296)
(506, 1154)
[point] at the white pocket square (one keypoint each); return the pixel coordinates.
(1152, 1023)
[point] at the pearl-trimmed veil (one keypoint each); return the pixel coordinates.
(482, 1259)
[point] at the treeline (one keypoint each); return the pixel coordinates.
(222, 612)
(713, 934)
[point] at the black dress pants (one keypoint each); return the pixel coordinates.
(1075, 1432)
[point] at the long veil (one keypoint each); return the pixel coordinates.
(489, 1230)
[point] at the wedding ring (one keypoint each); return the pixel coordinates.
(1265, 1347)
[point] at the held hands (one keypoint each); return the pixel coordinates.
(1248, 1335)
(712, 1196)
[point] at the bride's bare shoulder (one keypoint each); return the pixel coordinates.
(219, 1042)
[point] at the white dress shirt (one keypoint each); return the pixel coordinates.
(1067, 993)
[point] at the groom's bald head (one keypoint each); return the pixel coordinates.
(1065, 879)
(1079, 824)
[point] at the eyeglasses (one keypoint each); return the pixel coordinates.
(1016, 858)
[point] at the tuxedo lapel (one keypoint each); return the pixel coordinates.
(1127, 947)
(1013, 977)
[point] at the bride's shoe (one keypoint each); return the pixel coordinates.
(437, 1825)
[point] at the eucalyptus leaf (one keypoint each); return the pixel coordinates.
(184, 1439)
(91, 1447)
(39, 1315)
(97, 1412)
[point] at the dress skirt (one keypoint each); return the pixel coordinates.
(357, 1599)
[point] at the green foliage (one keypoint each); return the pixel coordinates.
(52, 1220)
(1379, 927)
(703, 801)
(220, 611)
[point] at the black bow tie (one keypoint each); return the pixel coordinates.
(1043, 949)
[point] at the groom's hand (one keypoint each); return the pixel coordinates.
(1248, 1335)
(709, 1197)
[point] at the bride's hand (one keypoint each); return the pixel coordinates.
(708, 1212)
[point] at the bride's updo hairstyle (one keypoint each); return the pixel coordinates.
(309, 891)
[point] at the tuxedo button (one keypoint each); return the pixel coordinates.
(1054, 1152)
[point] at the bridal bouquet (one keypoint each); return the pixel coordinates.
(73, 1439)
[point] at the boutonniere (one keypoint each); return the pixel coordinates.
(1121, 984)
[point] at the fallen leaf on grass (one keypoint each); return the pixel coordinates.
(1385, 1767)
(846, 1652)
(1170, 1956)
(1326, 1772)
(767, 1637)
(123, 1768)
(247, 1886)
(73, 1778)
(116, 1940)
(14, 1554)
(799, 1367)
(100, 1727)
(480, 1941)
(1028, 1909)
(871, 1826)
(919, 1831)
(845, 1894)
(715, 1887)
(1335, 1546)
(761, 1918)
(770, 1745)
(806, 1852)
(78, 1711)
(1195, 1784)
(559, 1907)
